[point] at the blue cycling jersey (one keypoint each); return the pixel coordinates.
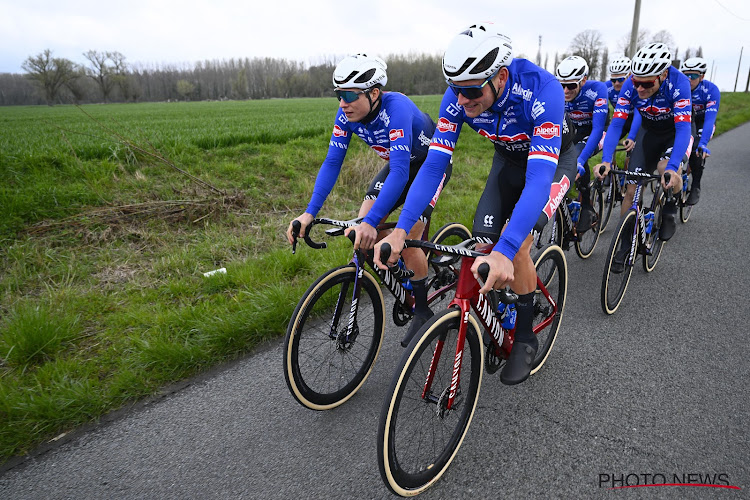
(612, 93)
(589, 111)
(668, 109)
(705, 97)
(525, 123)
(399, 134)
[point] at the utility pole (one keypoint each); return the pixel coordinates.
(738, 70)
(634, 32)
(539, 53)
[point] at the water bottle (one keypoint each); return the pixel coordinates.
(405, 281)
(507, 315)
(649, 220)
(575, 210)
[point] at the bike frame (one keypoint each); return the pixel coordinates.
(468, 298)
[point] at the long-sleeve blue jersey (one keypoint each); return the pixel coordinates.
(589, 111)
(611, 93)
(705, 97)
(668, 108)
(399, 134)
(525, 123)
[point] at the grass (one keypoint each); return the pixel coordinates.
(103, 244)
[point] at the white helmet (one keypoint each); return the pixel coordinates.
(619, 66)
(360, 71)
(572, 68)
(476, 53)
(651, 60)
(694, 64)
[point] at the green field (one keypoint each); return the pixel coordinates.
(109, 215)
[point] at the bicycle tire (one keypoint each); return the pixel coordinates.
(409, 459)
(322, 371)
(615, 284)
(552, 270)
(444, 274)
(654, 245)
(685, 209)
(607, 196)
(551, 233)
(586, 241)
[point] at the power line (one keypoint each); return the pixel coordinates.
(735, 15)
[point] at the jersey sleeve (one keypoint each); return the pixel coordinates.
(622, 111)
(547, 111)
(682, 110)
(601, 110)
(400, 136)
(331, 167)
(438, 156)
(712, 110)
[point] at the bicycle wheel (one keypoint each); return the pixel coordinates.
(654, 245)
(685, 209)
(605, 194)
(552, 270)
(586, 241)
(614, 284)
(418, 436)
(552, 233)
(323, 366)
(443, 271)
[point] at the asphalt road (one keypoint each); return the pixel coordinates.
(659, 392)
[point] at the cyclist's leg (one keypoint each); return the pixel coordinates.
(696, 169)
(669, 212)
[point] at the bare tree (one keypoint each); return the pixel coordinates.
(100, 71)
(588, 44)
(603, 72)
(52, 73)
(623, 46)
(666, 38)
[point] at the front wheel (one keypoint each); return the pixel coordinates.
(586, 241)
(552, 274)
(443, 269)
(654, 245)
(615, 279)
(332, 342)
(685, 209)
(418, 435)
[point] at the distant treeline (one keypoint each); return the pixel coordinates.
(52, 80)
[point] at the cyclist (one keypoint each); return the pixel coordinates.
(586, 105)
(521, 108)
(392, 125)
(619, 71)
(705, 97)
(661, 95)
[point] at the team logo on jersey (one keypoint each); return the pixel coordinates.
(547, 130)
(437, 192)
(620, 114)
(601, 102)
(395, 134)
(682, 103)
(381, 151)
(655, 110)
(579, 115)
(486, 134)
(556, 195)
(710, 103)
(339, 132)
(444, 125)
(512, 138)
(622, 101)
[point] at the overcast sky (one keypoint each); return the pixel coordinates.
(159, 32)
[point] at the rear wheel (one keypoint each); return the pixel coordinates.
(418, 435)
(615, 283)
(325, 361)
(654, 245)
(552, 232)
(605, 192)
(685, 209)
(586, 241)
(443, 268)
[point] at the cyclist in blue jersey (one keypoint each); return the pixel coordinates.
(661, 95)
(521, 108)
(619, 71)
(705, 97)
(392, 125)
(586, 105)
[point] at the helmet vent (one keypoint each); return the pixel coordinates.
(486, 62)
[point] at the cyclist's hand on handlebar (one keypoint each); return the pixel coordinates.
(601, 175)
(628, 144)
(304, 219)
(501, 271)
(396, 241)
(703, 152)
(674, 179)
(366, 235)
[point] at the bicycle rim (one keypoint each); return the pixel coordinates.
(654, 245)
(418, 437)
(586, 241)
(443, 274)
(322, 366)
(615, 284)
(552, 270)
(685, 209)
(607, 199)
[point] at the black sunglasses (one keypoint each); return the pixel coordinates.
(645, 85)
(570, 86)
(617, 80)
(470, 91)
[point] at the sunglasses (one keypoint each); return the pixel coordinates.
(645, 85)
(570, 86)
(692, 76)
(348, 96)
(617, 80)
(469, 91)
